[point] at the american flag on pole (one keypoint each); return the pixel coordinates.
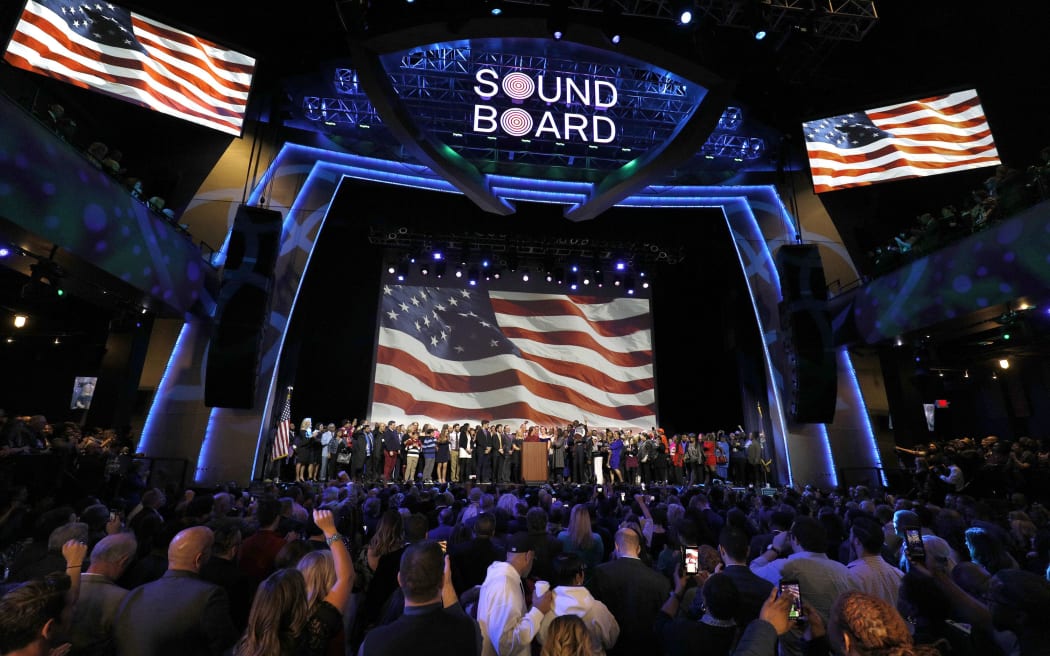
(98, 45)
(924, 137)
(447, 354)
(282, 443)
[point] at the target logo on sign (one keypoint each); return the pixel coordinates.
(594, 94)
(518, 86)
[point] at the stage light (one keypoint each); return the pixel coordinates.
(760, 34)
(390, 269)
(424, 269)
(402, 270)
(599, 278)
(685, 12)
(472, 276)
(439, 269)
(575, 268)
(645, 284)
(495, 7)
(57, 341)
(558, 18)
(4, 252)
(621, 265)
(899, 342)
(438, 256)
(524, 275)
(628, 283)
(459, 272)
(60, 291)
(20, 321)
(1004, 364)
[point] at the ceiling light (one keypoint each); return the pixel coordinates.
(1004, 364)
(20, 321)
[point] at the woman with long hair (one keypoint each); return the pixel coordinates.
(282, 622)
(389, 537)
(578, 538)
(302, 455)
(567, 636)
(443, 455)
(864, 625)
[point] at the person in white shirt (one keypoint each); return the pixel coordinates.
(571, 598)
(873, 574)
(508, 626)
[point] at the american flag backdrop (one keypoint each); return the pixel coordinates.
(282, 442)
(446, 354)
(912, 139)
(98, 45)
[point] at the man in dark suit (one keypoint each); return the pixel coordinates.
(222, 570)
(178, 613)
(470, 560)
(752, 589)
(483, 452)
(432, 611)
(634, 593)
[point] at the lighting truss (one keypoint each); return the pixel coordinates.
(528, 251)
(837, 20)
(732, 145)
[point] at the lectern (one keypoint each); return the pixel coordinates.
(534, 462)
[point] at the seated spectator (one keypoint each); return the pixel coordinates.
(571, 598)
(282, 621)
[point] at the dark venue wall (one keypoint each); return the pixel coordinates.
(702, 314)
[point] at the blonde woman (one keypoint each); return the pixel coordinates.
(567, 636)
(302, 439)
(282, 622)
(579, 539)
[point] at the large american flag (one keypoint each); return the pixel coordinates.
(98, 45)
(282, 443)
(446, 354)
(913, 139)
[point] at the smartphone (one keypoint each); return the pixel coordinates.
(444, 545)
(691, 557)
(913, 543)
(790, 588)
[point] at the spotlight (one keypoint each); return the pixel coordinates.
(438, 256)
(402, 270)
(760, 34)
(495, 7)
(558, 19)
(628, 283)
(645, 284)
(1004, 364)
(57, 341)
(459, 272)
(685, 12)
(424, 269)
(621, 265)
(524, 275)
(4, 252)
(390, 269)
(20, 321)
(472, 276)
(599, 278)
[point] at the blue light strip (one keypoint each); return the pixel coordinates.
(846, 363)
(163, 391)
(744, 208)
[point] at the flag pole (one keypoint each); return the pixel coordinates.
(270, 462)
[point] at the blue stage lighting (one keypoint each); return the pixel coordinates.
(438, 255)
(759, 35)
(4, 252)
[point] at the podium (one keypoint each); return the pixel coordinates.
(534, 462)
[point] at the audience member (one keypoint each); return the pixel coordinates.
(571, 598)
(100, 597)
(432, 611)
(633, 592)
(508, 626)
(178, 613)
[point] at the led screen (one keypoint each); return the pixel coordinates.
(107, 48)
(448, 354)
(913, 139)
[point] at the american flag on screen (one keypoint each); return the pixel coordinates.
(447, 354)
(282, 443)
(98, 45)
(913, 139)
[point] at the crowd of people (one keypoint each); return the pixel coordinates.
(108, 159)
(1002, 195)
(492, 453)
(366, 566)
